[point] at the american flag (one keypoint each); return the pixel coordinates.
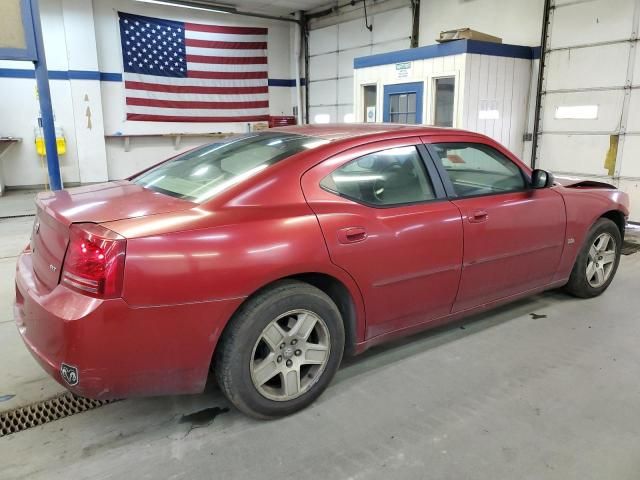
(190, 72)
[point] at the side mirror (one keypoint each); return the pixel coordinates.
(541, 179)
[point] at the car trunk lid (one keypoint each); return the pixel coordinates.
(56, 211)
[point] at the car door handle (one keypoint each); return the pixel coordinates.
(478, 216)
(352, 234)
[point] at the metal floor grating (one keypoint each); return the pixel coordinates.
(29, 416)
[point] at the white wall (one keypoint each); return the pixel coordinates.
(334, 42)
(19, 108)
(500, 83)
(515, 21)
(481, 82)
(83, 35)
(593, 59)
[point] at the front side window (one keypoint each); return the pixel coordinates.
(200, 174)
(389, 177)
(477, 169)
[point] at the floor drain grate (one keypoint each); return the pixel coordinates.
(36, 414)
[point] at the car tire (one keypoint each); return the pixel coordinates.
(269, 339)
(591, 275)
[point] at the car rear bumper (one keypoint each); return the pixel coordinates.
(117, 350)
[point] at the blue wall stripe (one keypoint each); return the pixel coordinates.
(17, 73)
(284, 82)
(447, 49)
(108, 76)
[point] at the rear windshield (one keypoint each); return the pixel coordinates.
(200, 174)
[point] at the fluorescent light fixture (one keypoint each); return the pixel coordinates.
(192, 5)
(322, 118)
(576, 112)
(489, 115)
(349, 118)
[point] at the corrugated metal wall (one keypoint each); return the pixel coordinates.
(499, 84)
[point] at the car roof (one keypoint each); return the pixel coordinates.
(339, 131)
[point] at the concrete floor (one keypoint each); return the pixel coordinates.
(504, 395)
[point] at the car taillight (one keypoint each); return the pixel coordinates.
(94, 263)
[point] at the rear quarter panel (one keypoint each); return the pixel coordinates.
(229, 249)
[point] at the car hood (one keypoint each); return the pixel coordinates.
(107, 202)
(574, 182)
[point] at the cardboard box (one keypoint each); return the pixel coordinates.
(466, 34)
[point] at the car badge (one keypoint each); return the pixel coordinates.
(69, 374)
(53, 268)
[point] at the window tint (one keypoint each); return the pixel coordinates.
(476, 169)
(388, 177)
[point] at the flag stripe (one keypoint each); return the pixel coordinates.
(221, 67)
(198, 89)
(151, 102)
(222, 52)
(224, 37)
(226, 60)
(196, 82)
(197, 112)
(198, 97)
(220, 29)
(194, 42)
(227, 75)
(141, 117)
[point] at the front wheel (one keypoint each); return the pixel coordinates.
(597, 262)
(280, 350)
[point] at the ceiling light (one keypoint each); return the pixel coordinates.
(192, 5)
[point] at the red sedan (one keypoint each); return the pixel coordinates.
(266, 257)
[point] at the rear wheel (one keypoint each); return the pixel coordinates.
(280, 350)
(598, 261)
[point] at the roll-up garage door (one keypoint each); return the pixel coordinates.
(590, 116)
(331, 53)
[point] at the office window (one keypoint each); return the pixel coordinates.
(402, 108)
(444, 96)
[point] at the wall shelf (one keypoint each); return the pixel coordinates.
(176, 137)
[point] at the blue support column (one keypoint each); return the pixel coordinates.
(44, 95)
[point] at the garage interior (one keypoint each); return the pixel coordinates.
(545, 387)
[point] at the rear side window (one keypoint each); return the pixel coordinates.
(389, 177)
(477, 169)
(200, 174)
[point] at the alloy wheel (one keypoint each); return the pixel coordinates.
(290, 355)
(602, 257)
